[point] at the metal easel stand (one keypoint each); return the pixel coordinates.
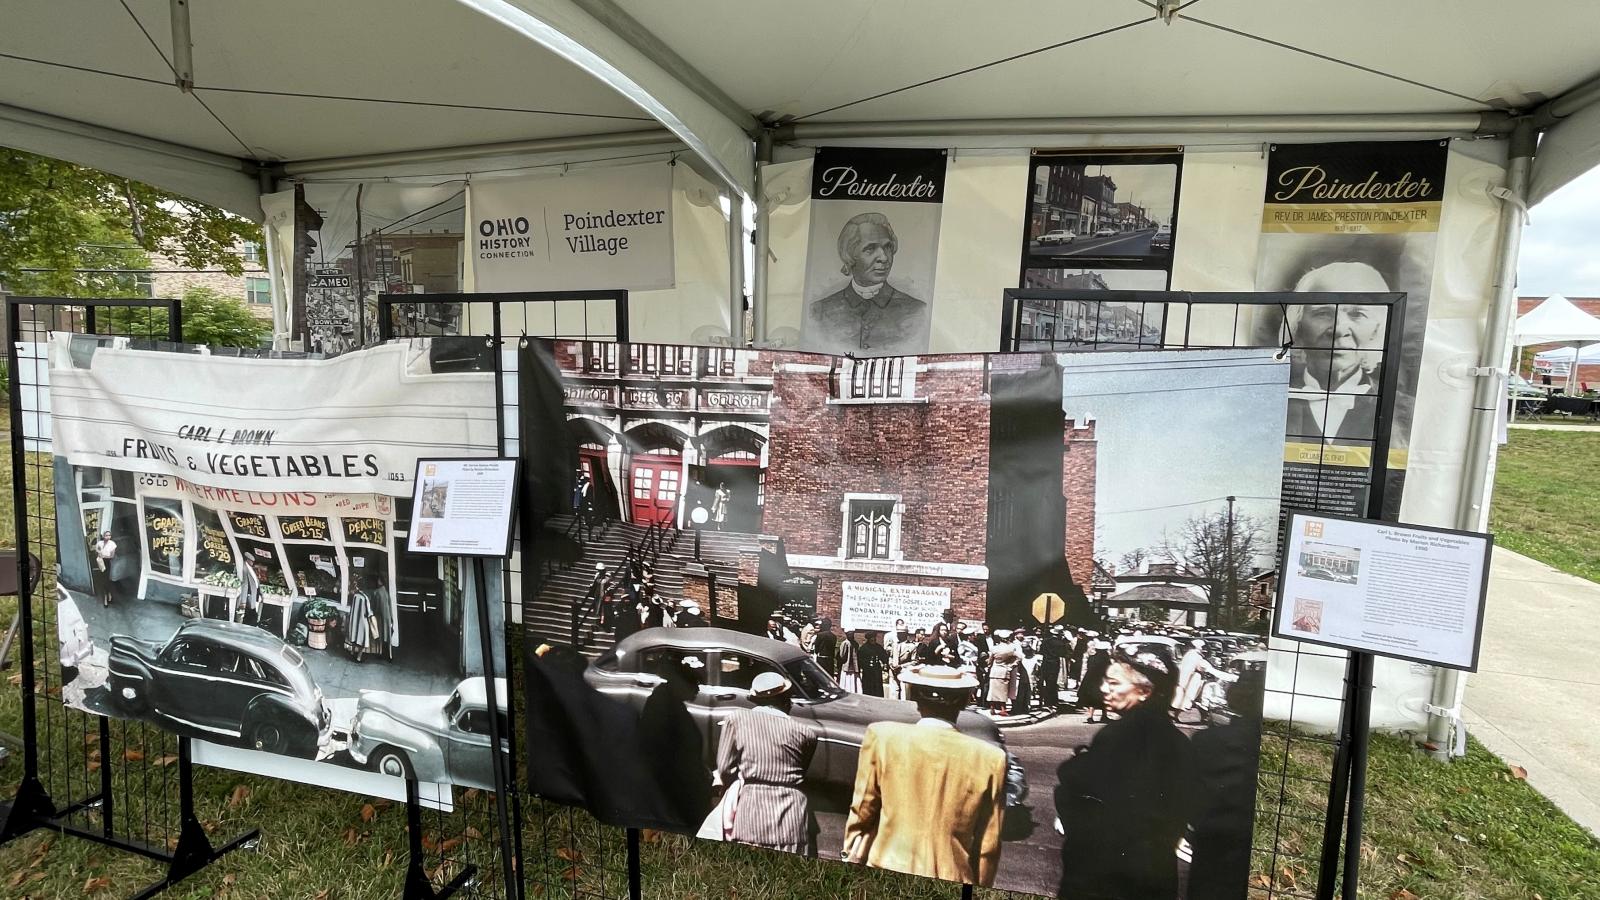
(1347, 794)
(417, 886)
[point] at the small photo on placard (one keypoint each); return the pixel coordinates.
(462, 507)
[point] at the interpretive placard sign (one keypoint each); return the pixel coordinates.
(1405, 591)
(462, 507)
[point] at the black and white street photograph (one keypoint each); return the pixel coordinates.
(765, 626)
(210, 583)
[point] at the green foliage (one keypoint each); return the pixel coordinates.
(209, 317)
(62, 218)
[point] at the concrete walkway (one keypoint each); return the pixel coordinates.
(1533, 700)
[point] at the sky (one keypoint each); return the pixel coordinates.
(1178, 431)
(1561, 243)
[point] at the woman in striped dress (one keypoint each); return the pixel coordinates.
(768, 751)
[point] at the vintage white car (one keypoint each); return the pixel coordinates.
(430, 738)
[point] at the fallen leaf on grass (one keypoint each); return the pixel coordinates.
(322, 894)
(351, 836)
(17, 877)
(93, 766)
(571, 873)
(388, 858)
(239, 795)
(470, 795)
(166, 760)
(1403, 894)
(15, 679)
(430, 842)
(132, 755)
(1519, 773)
(569, 854)
(649, 835)
(96, 884)
(449, 845)
(368, 812)
(91, 738)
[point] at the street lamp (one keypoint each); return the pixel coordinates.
(698, 516)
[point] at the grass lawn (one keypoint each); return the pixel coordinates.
(1547, 499)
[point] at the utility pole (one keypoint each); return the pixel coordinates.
(1233, 581)
(361, 276)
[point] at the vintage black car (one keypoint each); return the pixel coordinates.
(224, 682)
(430, 738)
(729, 660)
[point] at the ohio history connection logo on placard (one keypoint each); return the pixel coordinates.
(504, 238)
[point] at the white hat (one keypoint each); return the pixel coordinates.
(940, 677)
(769, 684)
(1003, 634)
(685, 604)
(692, 609)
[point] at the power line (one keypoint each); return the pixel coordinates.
(1118, 512)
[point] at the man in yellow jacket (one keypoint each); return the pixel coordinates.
(928, 799)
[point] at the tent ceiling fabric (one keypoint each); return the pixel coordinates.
(799, 59)
(1556, 319)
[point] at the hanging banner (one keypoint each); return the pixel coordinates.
(872, 248)
(1344, 218)
(925, 504)
(232, 537)
(601, 229)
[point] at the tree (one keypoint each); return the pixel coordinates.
(58, 219)
(209, 317)
(1202, 549)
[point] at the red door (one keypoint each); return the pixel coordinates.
(656, 481)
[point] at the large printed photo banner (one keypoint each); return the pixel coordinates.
(871, 251)
(950, 615)
(1347, 218)
(232, 536)
(606, 229)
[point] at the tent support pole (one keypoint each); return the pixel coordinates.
(758, 291)
(736, 331)
(1456, 123)
(1488, 394)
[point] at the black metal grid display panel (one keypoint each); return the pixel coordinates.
(557, 851)
(1301, 766)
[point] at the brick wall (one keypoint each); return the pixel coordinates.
(1079, 474)
(171, 284)
(933, 455)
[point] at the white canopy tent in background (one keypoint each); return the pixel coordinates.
(1586, 356)
(252, 98)
(1556, 320)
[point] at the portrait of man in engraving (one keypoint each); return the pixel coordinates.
(868, 315)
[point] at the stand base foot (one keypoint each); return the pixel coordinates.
(30, 809)
(418, 887)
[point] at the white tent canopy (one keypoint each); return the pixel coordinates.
(1556, 320)
(298, 86)
(1587, 356)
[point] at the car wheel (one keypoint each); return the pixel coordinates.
(388, 760)
(268, 737)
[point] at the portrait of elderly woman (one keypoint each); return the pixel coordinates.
(868, 315)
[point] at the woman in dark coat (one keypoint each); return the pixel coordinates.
(1125, 800)
(1094, 672)
(874, 660)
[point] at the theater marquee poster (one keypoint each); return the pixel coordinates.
(938, 614)
(1348, 217)
(231, 534)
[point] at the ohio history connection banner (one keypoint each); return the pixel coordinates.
(1340, 218)
(939, 614)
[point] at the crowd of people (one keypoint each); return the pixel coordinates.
(1021, 671)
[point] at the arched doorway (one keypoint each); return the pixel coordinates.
(732, 461)
(655, 474)
(593, 441)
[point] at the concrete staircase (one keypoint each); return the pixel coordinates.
(548, 616)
